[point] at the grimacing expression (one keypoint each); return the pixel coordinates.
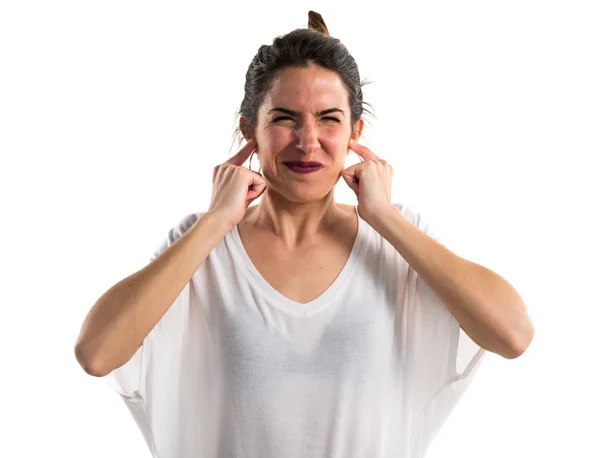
(304, 117)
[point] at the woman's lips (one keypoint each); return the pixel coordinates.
(302, 168)
(304, 163)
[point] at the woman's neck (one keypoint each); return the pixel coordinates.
(292, 222)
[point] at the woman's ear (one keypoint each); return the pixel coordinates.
(357, 130)
(244, 129)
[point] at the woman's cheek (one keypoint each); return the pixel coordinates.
(335, 145)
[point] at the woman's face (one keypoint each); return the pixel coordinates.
(304, 117)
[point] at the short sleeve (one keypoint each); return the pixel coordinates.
(442, 358)
(126, 380)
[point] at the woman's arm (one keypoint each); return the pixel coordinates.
(122, 318)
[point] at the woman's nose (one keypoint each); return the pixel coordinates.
(308, 139)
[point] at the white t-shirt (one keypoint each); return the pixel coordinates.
(235, 369)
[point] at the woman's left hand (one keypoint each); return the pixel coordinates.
(371, 181)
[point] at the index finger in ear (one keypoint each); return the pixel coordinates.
(363, 151)
(243, 154)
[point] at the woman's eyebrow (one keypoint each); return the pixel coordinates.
(295, 113)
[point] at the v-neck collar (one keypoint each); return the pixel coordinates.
(279, 300)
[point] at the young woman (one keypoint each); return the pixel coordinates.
(299, 327)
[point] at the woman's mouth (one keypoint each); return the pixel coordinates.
(303, 167)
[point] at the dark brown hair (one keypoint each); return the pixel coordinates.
(300, 48)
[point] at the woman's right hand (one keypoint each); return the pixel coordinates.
(235, 187)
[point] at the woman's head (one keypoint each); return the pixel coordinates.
(303, 102)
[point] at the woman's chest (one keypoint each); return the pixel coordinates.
(352, 335)
(301, 275)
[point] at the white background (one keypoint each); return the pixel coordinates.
(112, 115)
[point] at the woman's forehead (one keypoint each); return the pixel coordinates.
(307, 89)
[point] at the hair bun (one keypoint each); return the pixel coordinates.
(316, 22)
